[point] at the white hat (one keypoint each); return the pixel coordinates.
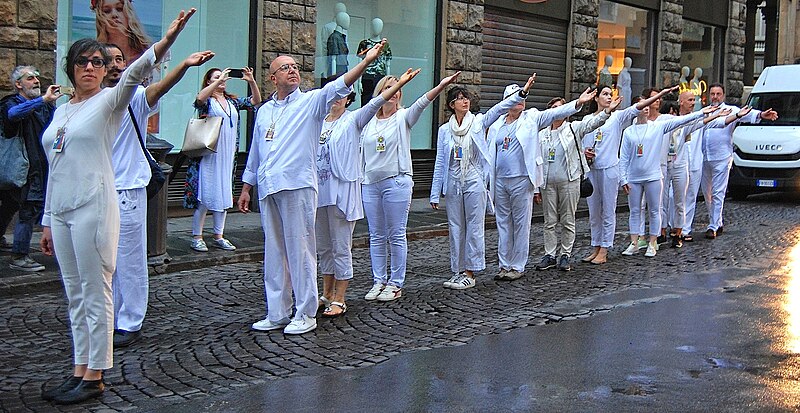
(510, 90)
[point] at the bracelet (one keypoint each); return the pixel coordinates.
(523, 94)
(737, 116)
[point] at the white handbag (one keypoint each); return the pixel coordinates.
(201, 136)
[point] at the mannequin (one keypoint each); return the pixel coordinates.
(697, 87)
(324, 33)
(624, 83)
(684, 80)
(337, 45)
(605, 77)
(380, 67)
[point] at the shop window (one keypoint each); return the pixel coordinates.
(211, 28)
(701, 59)
(624, 31)
(410, 27)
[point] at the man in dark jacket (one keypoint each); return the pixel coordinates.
(26, 114)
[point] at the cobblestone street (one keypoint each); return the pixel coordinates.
(198, 342)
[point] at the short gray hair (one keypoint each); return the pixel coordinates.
(19, 71)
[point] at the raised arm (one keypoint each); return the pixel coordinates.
(157, 90)
(206, 92)
(415, 111)
(175, 28)
(247, 75)
(364, 114)
(647, 102)
(676, 122)
(353, 74)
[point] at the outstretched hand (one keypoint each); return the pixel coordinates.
(587, 96)
(724, 112)
(710, 109)
(178, 24)
(375, 51)
(769, 114)
(529, 83)
(198, 58)
(449, 79)
(408, 75)
(615, 103)
(668, 90)
(744, 111)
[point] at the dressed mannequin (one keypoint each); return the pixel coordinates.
(337, 46)
(605, 77)
(697, 87)
(380, 67)
(327, 29)
(624, 83)
(684, 80)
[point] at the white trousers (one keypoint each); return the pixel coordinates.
(603, 205)
(678, 178)
(130, 282)
(651, 191)
(560, 201)
(334, 242)
(290, 260)
(199, 219)
(466, 216)
(691, 199)
(85, 242)
(714, 185)
(513, 207)
(386, 205)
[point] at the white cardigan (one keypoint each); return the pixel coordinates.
(568, 141)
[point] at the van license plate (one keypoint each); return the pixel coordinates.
(766, 183)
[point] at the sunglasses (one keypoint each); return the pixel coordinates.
(83, 61)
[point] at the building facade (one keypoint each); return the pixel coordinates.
(492, 42)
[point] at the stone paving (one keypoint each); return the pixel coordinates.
(198, 342)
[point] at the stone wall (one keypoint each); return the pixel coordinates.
(27, 37)
(464, 40)
(669, 43)
(583, 53)
(289, 28)
(734, 52)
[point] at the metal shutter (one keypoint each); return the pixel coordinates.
(514, 46)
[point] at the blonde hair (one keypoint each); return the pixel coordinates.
(137, 38)
(379, 89)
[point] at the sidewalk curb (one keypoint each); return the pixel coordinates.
(32, 283)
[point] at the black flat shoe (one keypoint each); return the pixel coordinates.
(124, 338)
(86, 390)
(69, 384)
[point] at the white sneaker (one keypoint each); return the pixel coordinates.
(26, 264)
(301, 324)
(199, 245)
(374, 292)
(464, 283)
(651, 250)
(452, 281)
(631, 250)
(267, 325)
(389, 293)
(224, 244)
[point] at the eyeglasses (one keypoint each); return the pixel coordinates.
(27, 75)
(83, 61)
(460, 99)
(286, 66)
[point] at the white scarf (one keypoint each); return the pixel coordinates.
(461, 138)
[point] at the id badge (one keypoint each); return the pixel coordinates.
(506, 142)
(324, 136)
(551, 155)
(671, 150)
(598, 137)
(640, 150)
(61, 137)
(270, 135)
(458, 153)
(380, 145)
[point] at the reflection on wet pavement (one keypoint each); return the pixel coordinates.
(792, 301)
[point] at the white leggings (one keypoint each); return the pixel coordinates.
(651, 191)
(199, 219)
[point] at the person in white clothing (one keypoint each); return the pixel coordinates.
(516, 173)
(718, 157)
(602, 147)
(462, 158)
(565, 165)
(81, 217)
(339, 181)
(282, 162)
(132, 174)
(643, 146)
(388, 184)
(209, 179)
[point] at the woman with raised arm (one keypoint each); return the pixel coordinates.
(462, 159)
(339, 188)
(602, 151)
(386, 146)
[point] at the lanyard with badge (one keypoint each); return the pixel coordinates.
(61, 132)
(270, 135)
(508, 136)
(380, 142)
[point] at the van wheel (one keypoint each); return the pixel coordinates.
(738, 194)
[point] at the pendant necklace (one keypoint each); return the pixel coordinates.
(61, 132)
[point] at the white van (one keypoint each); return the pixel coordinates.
(766, 155)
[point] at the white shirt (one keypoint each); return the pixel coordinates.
(676, 153)
(131, 169)
(565, 137)
(288, 160)
(83, 167)
(643, 147)
(395, 158)
(718, 142)
(606, 139)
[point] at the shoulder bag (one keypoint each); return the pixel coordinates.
(586, 185)
(14, 158)
(201, 136)
(157, 177)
